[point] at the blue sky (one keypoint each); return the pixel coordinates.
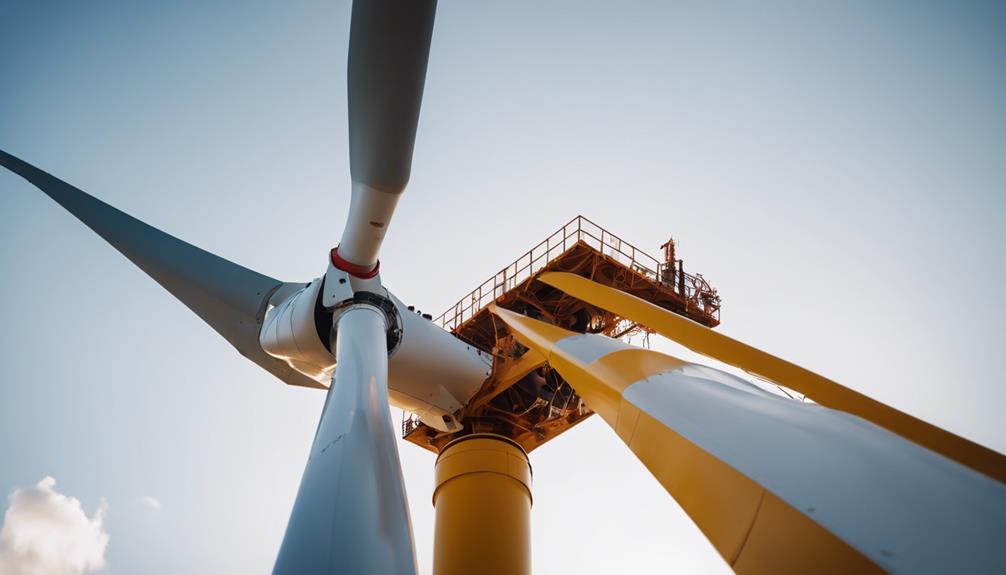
(836, 170)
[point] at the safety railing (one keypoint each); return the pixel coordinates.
(694, 289)
(410, 422)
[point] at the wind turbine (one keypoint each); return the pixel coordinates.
(777, 485)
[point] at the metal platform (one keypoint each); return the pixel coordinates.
(524, 399)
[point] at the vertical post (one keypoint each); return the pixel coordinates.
(483, 507)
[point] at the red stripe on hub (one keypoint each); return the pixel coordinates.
(357, 270)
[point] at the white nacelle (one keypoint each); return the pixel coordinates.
(430, 372)
(289, 333)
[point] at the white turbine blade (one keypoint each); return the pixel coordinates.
(389, 46)
(228, 297)
(351, 513)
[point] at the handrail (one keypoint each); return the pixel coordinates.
(697, 291)
(410, 422)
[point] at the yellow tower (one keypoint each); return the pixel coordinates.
(483, 507)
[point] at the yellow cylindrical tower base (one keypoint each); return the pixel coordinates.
(483, 507)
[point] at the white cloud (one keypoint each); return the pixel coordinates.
(151, 502)
(48, 533)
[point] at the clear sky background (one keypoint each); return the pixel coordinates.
(835, 169)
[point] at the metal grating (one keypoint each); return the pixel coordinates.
(693, 288)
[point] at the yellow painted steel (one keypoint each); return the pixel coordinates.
(709, 343)
(752, 529)
(483, 508)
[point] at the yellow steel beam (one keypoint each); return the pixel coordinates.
(506, 373)
(707, 342)
(753, 530)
